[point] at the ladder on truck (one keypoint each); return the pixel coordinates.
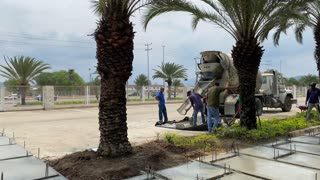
(201, 87)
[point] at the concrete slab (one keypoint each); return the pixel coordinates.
(144, 177)
(308, 148)
(307, 160)
(307, 139)
(265, 152)
(11, 151)
(25, 168)
(57, 178)
(191, 170)
(268, 168)
(4, 140)
(237, 176)
(210, 159)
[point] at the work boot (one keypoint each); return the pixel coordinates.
(158, 123)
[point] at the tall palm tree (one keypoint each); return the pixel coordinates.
(114, 38)
(140, 81)
(312, 20)
(22, 70)
(168, 72)
(176, 83)
(248, 22)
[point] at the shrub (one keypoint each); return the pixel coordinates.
(198, 141)
(269, 128)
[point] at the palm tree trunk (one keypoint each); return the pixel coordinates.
(114, 38)
(175, 91)
(317, 49)
(169, 89)
(112, 118)
(247, 56)
(23, 92)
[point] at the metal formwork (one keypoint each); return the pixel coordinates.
(16, 163)
(292, 158)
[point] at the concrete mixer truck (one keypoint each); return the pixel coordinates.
(216, 66)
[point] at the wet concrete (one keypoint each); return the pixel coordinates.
(302, 159)
(268, 169)
(238, 176)
(265, 152)
(307, 139)
(26, 168)
(301, 147)
(193, 169)
(12, 151)
(4, 140)
(17, 164)
(297, 159)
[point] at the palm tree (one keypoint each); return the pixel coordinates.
(140, 81)
(312, 20)
(249, 23)
(168, 72)
(176, 83)
(114, 38)
(22, 70)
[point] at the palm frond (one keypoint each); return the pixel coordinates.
(22, 69)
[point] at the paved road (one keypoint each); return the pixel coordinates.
(62, 131)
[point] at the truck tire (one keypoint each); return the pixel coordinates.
(258, 107)
(286, 107)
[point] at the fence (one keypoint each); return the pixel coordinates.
(50, 97)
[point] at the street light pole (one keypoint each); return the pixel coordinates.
(148, 49)
(163, 62)
(90, 76)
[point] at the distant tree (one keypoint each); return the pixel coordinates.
(44, 79)
(141, 80)
(23, 70)
(168, 72)
(293, 81)
(306, 80)
(12, 85)
(60, 78)
(176, 83)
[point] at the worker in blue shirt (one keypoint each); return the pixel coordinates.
(162, 107)
(312, 99)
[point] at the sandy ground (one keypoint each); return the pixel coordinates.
(59, 132)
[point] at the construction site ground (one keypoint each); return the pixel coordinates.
(65, 131)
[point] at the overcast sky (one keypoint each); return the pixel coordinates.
(56, 32)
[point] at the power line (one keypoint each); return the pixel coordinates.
(38, 37)
(40, 44)
(47, 38)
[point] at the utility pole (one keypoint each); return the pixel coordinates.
(148, 49)
(163, 61)
(195, 68)
(90, 76)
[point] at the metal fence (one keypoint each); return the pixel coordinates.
(33, 97)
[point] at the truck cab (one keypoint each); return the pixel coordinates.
(275, 94)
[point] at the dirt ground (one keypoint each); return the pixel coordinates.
(156, 155)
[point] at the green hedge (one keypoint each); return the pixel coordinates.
(269, 128)
(199, 141)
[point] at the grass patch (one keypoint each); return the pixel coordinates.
(269, 128)
(198, 141)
